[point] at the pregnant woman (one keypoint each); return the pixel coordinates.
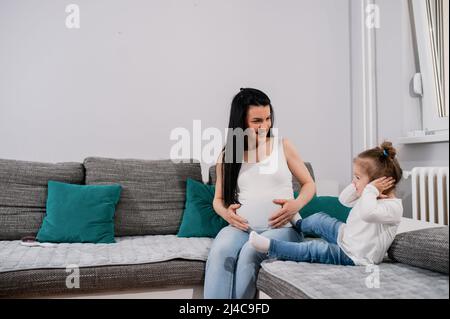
(253, 192)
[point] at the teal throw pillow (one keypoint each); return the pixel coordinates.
(79, 213)
(199, 218)
(329, 205)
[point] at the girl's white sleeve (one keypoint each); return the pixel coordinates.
(380, 212)
(348, 196)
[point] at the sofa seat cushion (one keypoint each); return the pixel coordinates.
(52, 281)
(288, 279)
(126, 251)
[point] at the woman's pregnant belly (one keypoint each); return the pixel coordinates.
(257, 212)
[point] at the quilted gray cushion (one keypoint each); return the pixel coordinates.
(127, 250)
(295, 183)
(288, 279)
(153, 192)
(23, 193)
(425, 248)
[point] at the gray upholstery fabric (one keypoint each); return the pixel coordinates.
(126, 250)
(153, 192)
(277, 288)
(23, 193)
(287, 279)
(46, 282)
(425, 248)
(295, 183)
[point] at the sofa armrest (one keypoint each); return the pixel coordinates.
(424, 248)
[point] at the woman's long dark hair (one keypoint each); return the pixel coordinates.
(230, 168)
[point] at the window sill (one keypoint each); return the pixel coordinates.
(432, 138)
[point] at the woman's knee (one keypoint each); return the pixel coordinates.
(248, 255)
(227, 244)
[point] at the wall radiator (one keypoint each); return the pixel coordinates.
(429, 187)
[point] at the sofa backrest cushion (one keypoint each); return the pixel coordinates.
(424, 248)
(23, 193)
(295, 182)
(153, 192)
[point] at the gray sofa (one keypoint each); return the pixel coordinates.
(149, 255)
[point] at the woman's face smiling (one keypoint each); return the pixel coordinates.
(258, 119)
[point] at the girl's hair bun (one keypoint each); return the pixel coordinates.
(387, 150)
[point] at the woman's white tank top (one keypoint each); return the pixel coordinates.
(260, 183)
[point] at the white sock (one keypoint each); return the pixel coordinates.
(260, 243)
(295, 218)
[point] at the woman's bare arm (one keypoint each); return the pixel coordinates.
(229, 214)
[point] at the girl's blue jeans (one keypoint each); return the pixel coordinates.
(314, 251)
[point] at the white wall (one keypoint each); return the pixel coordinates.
(135, 70)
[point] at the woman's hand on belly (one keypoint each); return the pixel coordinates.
(289, 207)
(234, 219)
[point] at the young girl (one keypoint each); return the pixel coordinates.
(371, 225)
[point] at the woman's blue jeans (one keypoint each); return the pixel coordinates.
(314, 251)
(233, 264)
